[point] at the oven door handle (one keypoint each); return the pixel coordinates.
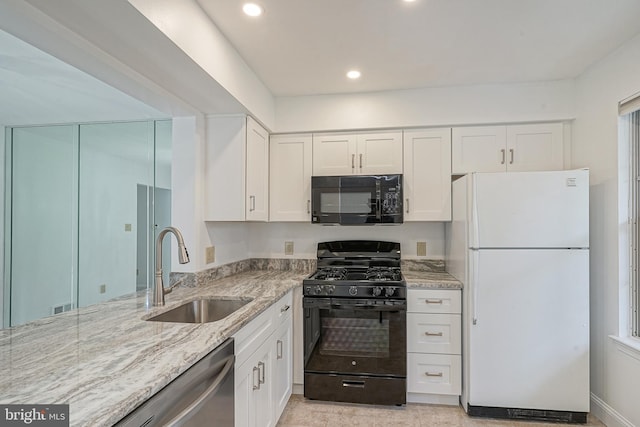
(369, 307)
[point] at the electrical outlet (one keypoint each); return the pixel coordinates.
(421, 249)
(210, 255)
(288, 248)
(127, 227)
(103, 288)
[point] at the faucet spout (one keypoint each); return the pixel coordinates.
(159, 290)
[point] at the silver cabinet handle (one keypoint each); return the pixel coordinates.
(285, 308)
(433, 334)
(252, 203)
(256, 369)
(308, 206)
(360, 161)
(201, 400)
(261, 369)
(433, 301)
(407, 205)
(353, 161)
(278, 349)
(511, 154)
(504, 156)
(431, 374)
(353, 384)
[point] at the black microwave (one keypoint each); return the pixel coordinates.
(356, 199)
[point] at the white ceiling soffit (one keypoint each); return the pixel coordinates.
(302, 47)
(37, 88)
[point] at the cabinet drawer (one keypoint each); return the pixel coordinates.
(433, 333)
(283, 308)
(434, 301)
(434, 373)
(253, 334)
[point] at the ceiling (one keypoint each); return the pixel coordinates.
(37, 88)
(304, 47)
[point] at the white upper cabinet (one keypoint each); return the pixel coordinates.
(334, 154)
(290, 163)
(257, 196)
(535, 147)
(427, 175)
(370, 153)
(379, 153)
(479, 149)
(236, 170)
(507, 148)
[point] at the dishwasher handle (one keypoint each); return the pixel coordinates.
(211, 390)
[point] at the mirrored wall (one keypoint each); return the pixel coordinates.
(83, 203)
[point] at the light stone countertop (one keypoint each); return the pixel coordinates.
(430, 280)
(104, 360)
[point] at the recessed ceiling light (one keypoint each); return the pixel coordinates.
(409, 1)
(252, 9)
(354, 74)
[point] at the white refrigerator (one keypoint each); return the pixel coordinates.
(519, 243)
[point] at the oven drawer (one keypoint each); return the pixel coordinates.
(434, 301)
(433, 333)
(434, 373)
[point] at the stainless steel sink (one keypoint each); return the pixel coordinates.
(201, 310)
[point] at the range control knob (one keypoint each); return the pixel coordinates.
(388, 292)
(318, 290)
(353, 291)
(330, 289)
(377, 291)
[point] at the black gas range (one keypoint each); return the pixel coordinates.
(355, 324)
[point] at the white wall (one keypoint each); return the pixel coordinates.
(459, 105)
(2, 171)
(615, 369)
(267, 239)
(188, 26)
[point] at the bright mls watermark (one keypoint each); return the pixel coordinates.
(34, 415)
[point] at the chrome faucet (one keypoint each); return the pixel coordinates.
(183, 257)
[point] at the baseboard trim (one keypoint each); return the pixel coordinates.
(298, 388)
(605, 413)
(437, 399)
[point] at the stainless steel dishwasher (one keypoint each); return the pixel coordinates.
(201, 396)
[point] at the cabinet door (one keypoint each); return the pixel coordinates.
(290, 163)
(535, 147)
(253, 390)
(257, 194)
(427, 175)
(282, 367)
(334, 154)
(379, 153)
(479, 149)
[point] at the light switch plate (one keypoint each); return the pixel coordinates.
(210, 255)
(103, 288)
(288, 248)
(421, 249)
(127, 227)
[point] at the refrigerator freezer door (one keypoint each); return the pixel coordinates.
(530, 210)
(529, 347)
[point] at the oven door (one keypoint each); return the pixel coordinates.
(355, 336)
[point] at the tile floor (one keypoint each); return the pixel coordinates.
(311, 413)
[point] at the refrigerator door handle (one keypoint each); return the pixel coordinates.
(475, 276)
(474, 212)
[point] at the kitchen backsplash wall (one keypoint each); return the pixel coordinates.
(268, 239)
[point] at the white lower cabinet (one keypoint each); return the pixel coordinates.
(434, 338)
(264, 366)
(282, 368)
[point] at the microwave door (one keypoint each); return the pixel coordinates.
(357, 207)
